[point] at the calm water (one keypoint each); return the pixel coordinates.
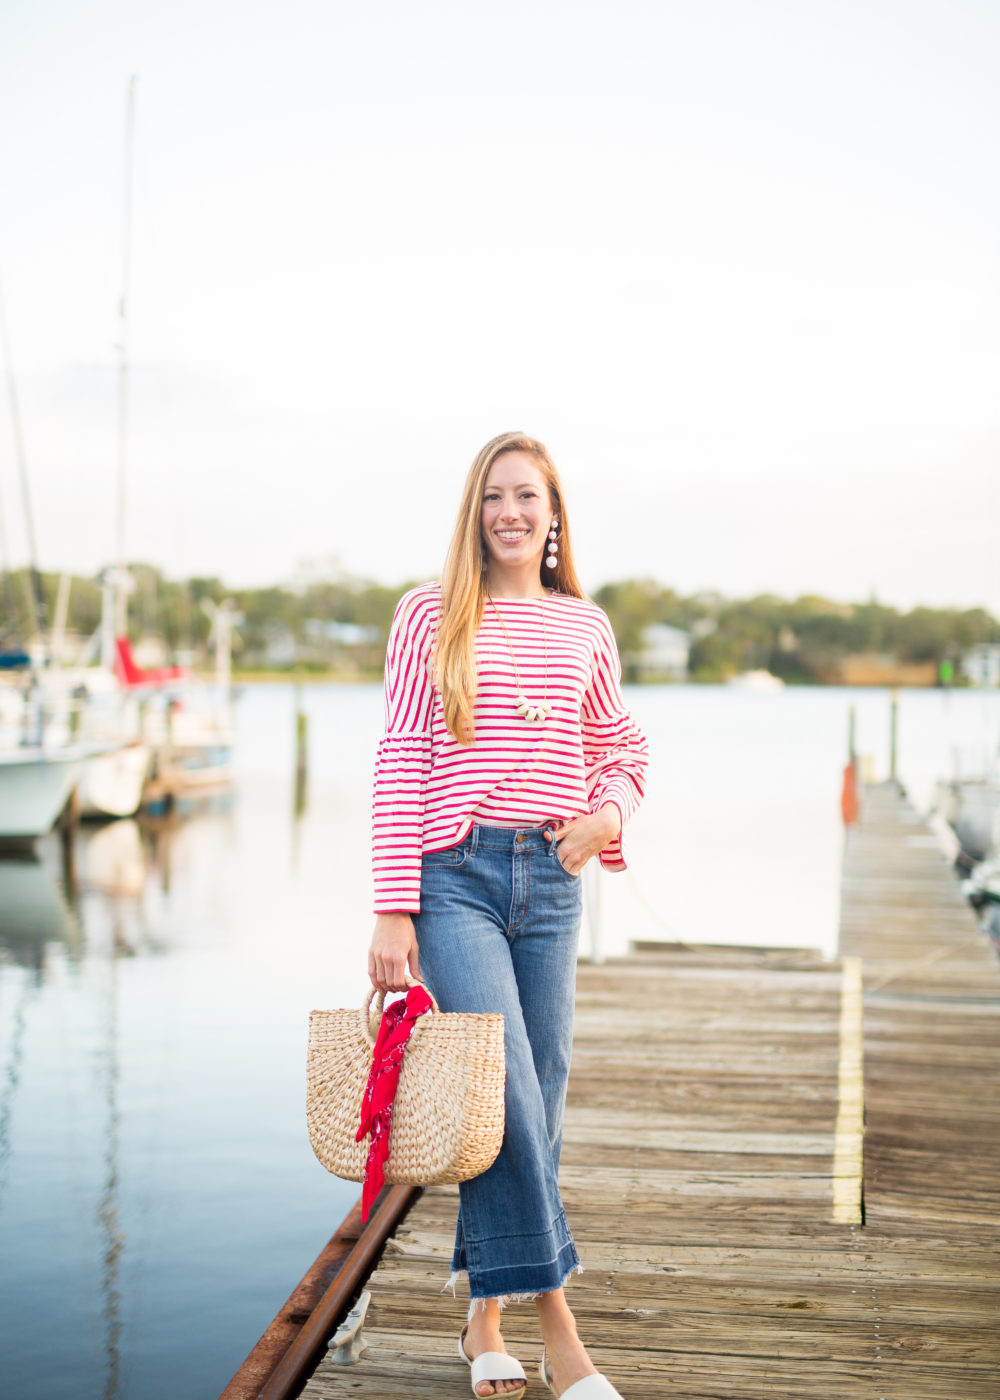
(158, 1196)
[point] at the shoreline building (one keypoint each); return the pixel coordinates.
(981, 664)
(664, 655)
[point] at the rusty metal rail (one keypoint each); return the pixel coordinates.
(280, 1363)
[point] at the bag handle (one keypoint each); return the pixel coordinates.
(374, 1004)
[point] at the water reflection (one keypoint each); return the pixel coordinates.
(111, 1234)
(12, 1079)
(113, 860)
(36, 919)
(34, 912)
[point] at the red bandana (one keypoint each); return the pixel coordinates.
(380, 1092)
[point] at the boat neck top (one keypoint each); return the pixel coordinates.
(429, 789)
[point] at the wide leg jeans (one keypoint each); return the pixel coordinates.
(498, 930)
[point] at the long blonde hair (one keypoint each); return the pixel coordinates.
(463, 580)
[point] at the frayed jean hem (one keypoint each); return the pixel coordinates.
(478, 1304)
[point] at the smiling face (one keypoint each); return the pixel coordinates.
(516, 515)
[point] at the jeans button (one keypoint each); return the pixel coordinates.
(520, 839)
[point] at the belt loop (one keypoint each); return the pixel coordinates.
(474, 839)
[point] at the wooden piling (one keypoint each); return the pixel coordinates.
(67, 825)
(301, 752)
(849, 803)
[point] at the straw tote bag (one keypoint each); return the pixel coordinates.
(448, 1113)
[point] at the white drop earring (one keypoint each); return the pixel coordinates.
(553, 547)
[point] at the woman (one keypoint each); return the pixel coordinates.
(509, 762)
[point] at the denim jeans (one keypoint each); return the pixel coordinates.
(498, 930)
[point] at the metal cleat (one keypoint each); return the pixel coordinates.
(347, 1344)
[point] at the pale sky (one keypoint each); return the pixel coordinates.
(737, 264)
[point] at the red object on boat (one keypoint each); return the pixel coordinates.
(849, 794)
(132, 675)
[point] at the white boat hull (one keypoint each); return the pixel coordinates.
(112, 783)
(760, 682)
(976, 817)
(34, 786)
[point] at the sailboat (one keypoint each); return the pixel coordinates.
(97, 707)
(189, 743)
(38, 770)
(106, 727)
(60, 729)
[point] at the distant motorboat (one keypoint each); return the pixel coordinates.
(982, 885)
(972, 808)
(192, 749)
(760, 681)
(982, 890)
(189, 726)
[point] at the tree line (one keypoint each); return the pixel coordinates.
(339, 624)
(801, 639)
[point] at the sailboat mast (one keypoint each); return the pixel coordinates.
(8, 586)
(36, 594)
(121, 595)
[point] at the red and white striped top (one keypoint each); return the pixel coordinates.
(429, 789)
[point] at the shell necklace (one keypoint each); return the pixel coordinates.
(529, 712)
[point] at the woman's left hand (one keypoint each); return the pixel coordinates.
(582, 837)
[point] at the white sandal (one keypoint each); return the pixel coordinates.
(493, 1366)
(595, 1387)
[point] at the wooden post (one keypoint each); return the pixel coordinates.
(66, 824)
(849, 785)
(168, 768)
(301, 752)
(893, 731)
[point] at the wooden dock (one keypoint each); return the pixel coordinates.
(736, 1240)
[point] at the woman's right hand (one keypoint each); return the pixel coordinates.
(393, 949)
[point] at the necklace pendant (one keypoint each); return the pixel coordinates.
(529, 712)
(532, 714)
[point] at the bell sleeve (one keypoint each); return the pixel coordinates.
(615, 751)
(403, 761)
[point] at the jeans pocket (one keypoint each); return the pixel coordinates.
(569, 874)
